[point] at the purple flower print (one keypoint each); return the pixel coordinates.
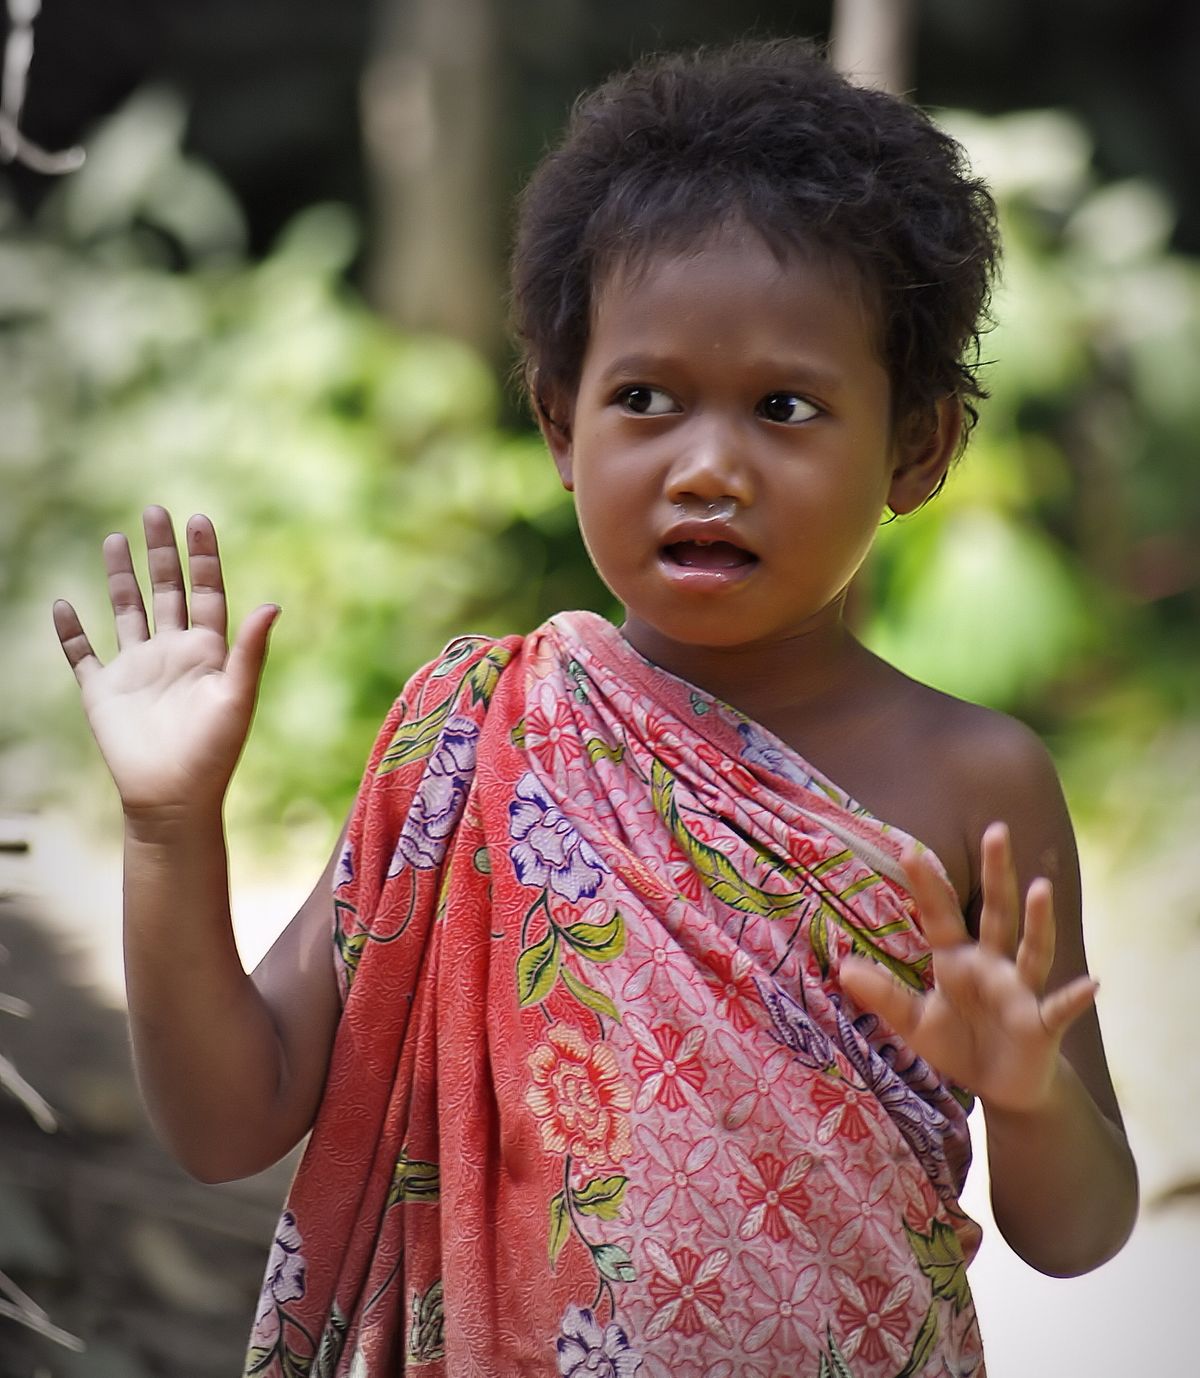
(758, 750)
(793, 1027)
(922, 1125)
(548, 850)
(284, 1282)
(587, 1351)
(439, 800)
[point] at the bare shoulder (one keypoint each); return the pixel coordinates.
(992, 767)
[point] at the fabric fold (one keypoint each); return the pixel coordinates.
(597, 1102)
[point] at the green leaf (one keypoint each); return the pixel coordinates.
(613, 1262)
(537, 970)
(838, 1366)
(414, 1180)
(598, 942)
(414, 741)
(560, 1227)
(426, 1334)
(484, 675)
(941, 1260)
(818, 937)
(597, 747)
(517, 735)
(588, 995)
(350, 950)
(922, 1345)
(602, 1197)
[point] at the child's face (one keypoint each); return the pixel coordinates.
(731, 446)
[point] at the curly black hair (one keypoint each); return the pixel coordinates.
(769, 135)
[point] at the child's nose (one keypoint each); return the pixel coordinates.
(711, 467)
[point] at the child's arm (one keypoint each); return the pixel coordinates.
(231, 1067)
(1064, 1184)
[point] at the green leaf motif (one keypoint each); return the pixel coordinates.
(818, 939)
(333, 1341)
(922, 1345)
(537, 970)
(588, 995)
(714, 867)
(560, 1227)
(426, 1334)
(940, 1258)
(598, 942)
(517, 735)
(482, 861)
(602, 1197)
(613, 1262)
(350, 950)
(838, 1367)
(414, 741)
(484, 675)
(458, 651)
(598, 748)
(414, 1180)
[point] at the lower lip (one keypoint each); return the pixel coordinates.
(698, 580)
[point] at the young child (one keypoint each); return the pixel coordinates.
(635, 1031)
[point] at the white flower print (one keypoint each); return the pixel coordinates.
(680, 1163)
(787, 1298)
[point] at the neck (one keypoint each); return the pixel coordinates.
(782, 679)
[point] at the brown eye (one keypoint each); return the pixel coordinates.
(786, 408)
(644, 401)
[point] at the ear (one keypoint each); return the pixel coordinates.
(925, 444)
(554, 421)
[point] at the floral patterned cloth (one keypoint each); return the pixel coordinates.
(597, 1104)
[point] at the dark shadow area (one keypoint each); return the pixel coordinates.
(156, 1273)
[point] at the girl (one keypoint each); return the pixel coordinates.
(650, 1031)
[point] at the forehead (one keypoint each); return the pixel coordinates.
(732, 288)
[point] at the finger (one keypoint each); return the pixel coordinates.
(1001, 902)
(76, 647)
(204, 575)
(941, 918)
(124, 592)
(872, 987)
(249, 651)
(166, 572)
(1035, 954)
(1060, 1010)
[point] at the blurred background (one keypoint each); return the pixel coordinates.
(274, 292)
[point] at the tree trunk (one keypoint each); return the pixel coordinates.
(430, 117)
(872, 42)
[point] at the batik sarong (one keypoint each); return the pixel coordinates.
(597, 1103)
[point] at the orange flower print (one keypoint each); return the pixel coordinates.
(579, 1098)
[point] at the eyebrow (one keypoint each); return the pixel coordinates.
(798, 371)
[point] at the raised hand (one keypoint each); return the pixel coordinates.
(987, 1023)
(171, 711)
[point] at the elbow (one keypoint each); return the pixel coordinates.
(1066, 1250)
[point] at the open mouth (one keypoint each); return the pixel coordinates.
(716, 555)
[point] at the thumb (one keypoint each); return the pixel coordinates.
(248, 653)
(873, 988)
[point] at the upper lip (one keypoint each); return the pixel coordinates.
(705, 531)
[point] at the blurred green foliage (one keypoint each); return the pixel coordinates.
(359, 477)
(356, 476)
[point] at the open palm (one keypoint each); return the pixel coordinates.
(170, 712)
(987, 1023)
